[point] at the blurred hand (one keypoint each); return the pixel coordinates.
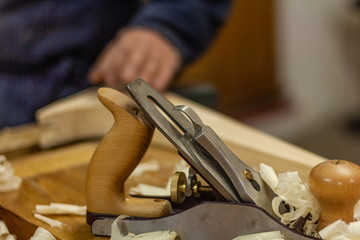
(137, 52)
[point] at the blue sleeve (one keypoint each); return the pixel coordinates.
(189, 24)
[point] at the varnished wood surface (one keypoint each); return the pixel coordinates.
(336, 185)
(116, 157)
(58, 175)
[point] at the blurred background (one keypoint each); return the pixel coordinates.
(289, 68)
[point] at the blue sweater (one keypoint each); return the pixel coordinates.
(48, 46)
(36, 33)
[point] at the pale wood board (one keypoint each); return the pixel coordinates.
(249, 144)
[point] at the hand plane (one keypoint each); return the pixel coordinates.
(237, 201)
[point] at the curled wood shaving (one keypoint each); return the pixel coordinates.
(297, 196)
(290, 189)
(269, 176)
(8, 182)
(339, 230)
(42, 234)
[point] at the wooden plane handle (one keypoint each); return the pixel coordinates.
(116, 157)
(336, 185)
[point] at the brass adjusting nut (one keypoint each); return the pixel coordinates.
(177, 188)
(182, 187)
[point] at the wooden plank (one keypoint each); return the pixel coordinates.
(249, 144)
(77, 117)
(23, 137)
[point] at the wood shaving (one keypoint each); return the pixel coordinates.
(51, 222)
(42, 234)
(8, 181)
(291, 189)
(4, 232)
(354, 229)
(61, 208)
(116, 234)
(275, 235)
(296, 194)
(149, 190)
(339, 230)
(155, 191)
(269, 176)
(357, 211)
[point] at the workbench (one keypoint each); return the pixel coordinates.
(59, 174)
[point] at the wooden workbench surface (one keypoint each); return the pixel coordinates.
(58, 175)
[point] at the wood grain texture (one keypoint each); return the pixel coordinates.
(116, 157)
(66, 185)
(55, 159)
(336, 185)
